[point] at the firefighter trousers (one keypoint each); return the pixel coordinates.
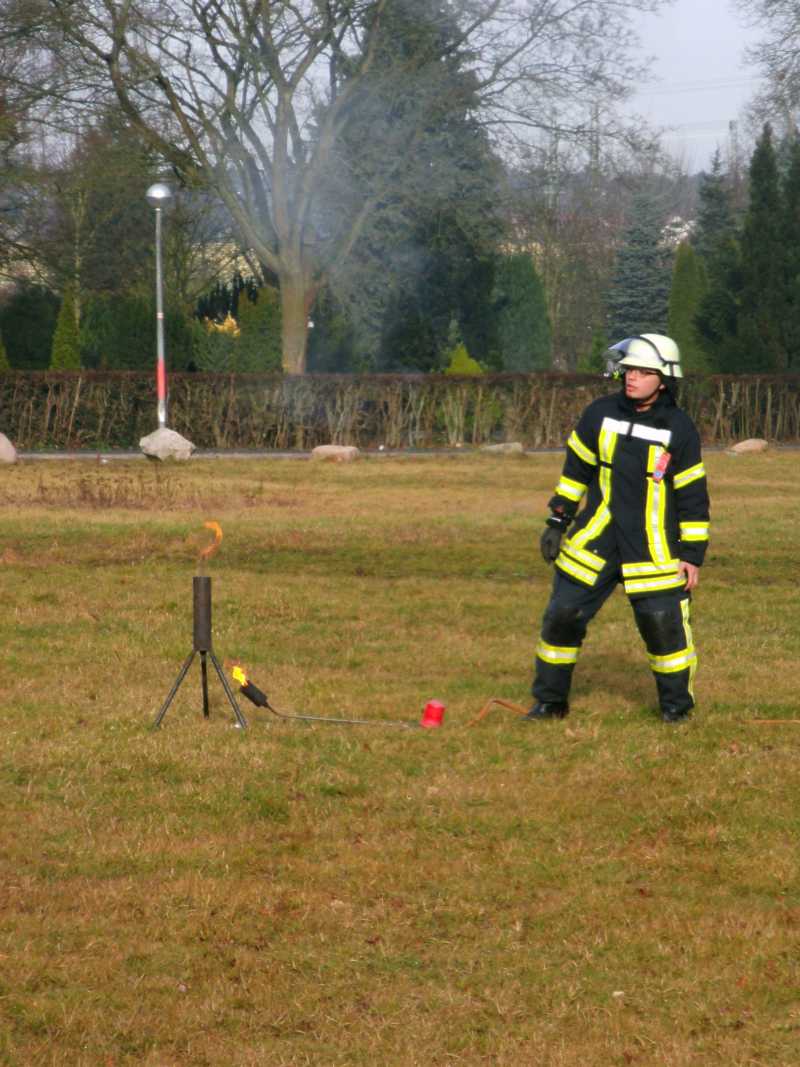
(662, 620)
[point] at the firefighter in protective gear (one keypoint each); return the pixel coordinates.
(634, 459)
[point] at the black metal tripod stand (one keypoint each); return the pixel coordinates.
(201, 590)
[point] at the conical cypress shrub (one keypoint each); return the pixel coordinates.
(66, 351)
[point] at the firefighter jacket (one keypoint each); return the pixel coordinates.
(642, 478)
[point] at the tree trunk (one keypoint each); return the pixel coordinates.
(297, 297)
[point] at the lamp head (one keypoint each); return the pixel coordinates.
(158, 195)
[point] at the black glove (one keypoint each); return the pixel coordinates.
(550, 541)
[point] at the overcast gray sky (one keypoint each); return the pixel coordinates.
(700, 81)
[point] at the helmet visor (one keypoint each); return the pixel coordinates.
(612, 368)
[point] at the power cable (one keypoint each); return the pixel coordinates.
(678, 88)
(259, 698)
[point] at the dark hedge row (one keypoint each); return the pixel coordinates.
(94, 410)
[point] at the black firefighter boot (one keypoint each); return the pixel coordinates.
(547, 710)
(671, 713)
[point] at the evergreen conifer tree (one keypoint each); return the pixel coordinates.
(715, 220)
(594, 360)
(66, 351)
(791, 240)
(331, 339)
(716, 243)
(426, 252)
(717, 319)
(523, 328)
(258, 348)
(763, 298)
(28, 321)
(118, 333)
(637, 301)
(688, 288)
(456, 357)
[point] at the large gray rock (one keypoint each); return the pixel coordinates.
(336, 453)
(752, 444)
(166, 444)
(509, 448)
(8, 454)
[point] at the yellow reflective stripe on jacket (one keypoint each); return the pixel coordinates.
(608, 443)
(691, 474)
(649, 570)
(674, 661)
(654, 584)
(559, 654)
(575, 545)
(571, 489)
(575, 570)
(579, 448)
(575, 559)
(687, 628)
(694, 531)
(583, 555)
(655, 510)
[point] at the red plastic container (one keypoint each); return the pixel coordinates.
(433, 715)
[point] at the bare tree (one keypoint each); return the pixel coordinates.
(251, 98)
(16, 100)
(777, 55)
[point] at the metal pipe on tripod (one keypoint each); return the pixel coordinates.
(201, 633)
(201, 597)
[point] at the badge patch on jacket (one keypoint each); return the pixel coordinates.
(661, 464)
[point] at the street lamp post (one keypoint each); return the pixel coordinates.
(158, 196)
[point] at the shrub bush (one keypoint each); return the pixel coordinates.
(259, 344)
(66, 351)
(461, 362)
(93, 409)
(215, 345)
(119, 333)
(28, 322)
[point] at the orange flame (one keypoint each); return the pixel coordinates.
(210, 550)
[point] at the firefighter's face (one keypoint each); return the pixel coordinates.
(642, 384)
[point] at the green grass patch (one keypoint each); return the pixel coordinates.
(603, 890)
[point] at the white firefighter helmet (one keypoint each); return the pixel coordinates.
(647, 351)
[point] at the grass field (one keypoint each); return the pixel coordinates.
(607, 890)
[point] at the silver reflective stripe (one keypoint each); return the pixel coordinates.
(571, 489)
(653, 585)
(655, 511)
(569, 566)
(583, 556)
(694, 531)
(558, 654)
(677, 661)
(580, 449)
(632, 570)
(646, 433)
(691, 474)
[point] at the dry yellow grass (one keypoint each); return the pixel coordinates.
(605, 890)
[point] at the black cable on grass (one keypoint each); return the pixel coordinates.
(257, 697)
